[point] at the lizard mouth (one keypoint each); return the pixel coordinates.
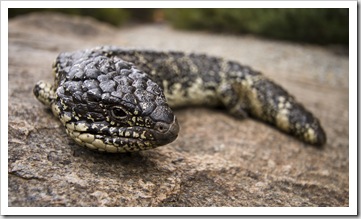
(124, 139)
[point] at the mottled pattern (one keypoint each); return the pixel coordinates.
(118, 100)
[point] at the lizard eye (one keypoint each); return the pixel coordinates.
(119, 113)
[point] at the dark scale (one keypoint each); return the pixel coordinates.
(175, 67)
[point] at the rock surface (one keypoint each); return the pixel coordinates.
(216, 160)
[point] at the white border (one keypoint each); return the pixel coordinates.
(4, 108)
(353, 97)
(351, 210)
(179, 4)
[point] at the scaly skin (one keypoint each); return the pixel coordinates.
(116, 100)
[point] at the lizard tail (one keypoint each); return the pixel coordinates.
(261, 98)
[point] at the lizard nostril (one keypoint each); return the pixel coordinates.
(166, 133)
(161, 127)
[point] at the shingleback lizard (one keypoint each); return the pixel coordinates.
(119, 100)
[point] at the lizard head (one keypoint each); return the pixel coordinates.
(108, 105)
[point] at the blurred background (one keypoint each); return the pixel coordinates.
(323, 26)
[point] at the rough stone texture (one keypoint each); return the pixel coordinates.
(216, 160)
